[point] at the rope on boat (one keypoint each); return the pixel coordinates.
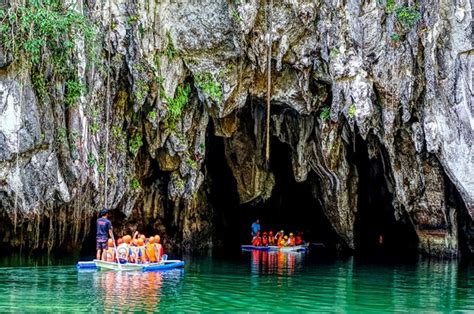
(269, 77)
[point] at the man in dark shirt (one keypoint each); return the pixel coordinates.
(104, 231)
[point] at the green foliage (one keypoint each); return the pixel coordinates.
(91, 160)
(395, 37)
(236, 16)
(170, 50)
(42, 34)
(61, 136)
(325, 114)
(133, 19)
(407, 16)
(116, 132)
(152, 115)
(352, 111)
(134, 144)
(192, 163)
(333, 53)
(39, 84)
(135, 184)
(141, 90)
(177, 104)
(390, 6)
(209, 86)
(101, 168)
(94, 127)
(74, 90)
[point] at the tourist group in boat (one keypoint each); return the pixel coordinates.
(279, 239)
(137, 249)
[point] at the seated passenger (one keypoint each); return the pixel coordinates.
(109, 253)
(299, 238)
(284, 241)
(159, 248)
(271, 238)
(265, 239)
(151, 250)
(279, 237)
(123, 249)
(257, 240)
(291, 240)
(140, 251)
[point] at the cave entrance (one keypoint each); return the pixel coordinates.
(291, 207)
(376, 229)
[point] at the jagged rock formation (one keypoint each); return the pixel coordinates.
(347, 77)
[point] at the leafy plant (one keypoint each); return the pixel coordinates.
(209, 86)
(170, 50)
(42, 33)
(407, 16)
(152, 115)
(177, 104)
(101, 168)
(333, 53)
(135, 184)
(395, 37)
(116, 132)
(390, 6)
(94, 127)
(141, 90)
(61, 135)
(90, 160)
(74, 91)
(192, 163)
(236, 16)
(134, 144)
(352, 111)
(325, 114)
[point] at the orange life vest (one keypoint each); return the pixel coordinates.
(151, 253)
(109, 255)
(264, 241)
(292, 241)
(298, 241)
(256, 241)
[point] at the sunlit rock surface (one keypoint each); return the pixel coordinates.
(409, 98)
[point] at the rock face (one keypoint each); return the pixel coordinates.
(392, 78)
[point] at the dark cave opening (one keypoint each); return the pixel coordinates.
(291, 207)
(377, 231)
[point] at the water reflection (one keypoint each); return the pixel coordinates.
(121, 291)
(281, 263)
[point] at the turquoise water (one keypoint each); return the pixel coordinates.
(258, 281)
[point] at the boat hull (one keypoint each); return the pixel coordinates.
(103, 265)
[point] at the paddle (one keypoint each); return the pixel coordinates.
(116, 253)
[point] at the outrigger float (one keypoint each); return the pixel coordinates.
(103, 265)
(271, 248)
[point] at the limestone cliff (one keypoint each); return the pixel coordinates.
(392, 77)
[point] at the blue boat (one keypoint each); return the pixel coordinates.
(102, 265)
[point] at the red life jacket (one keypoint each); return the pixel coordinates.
(264, 241)
(298, 240)
(256, 241)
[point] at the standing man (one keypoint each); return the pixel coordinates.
(104, 231)
(255, 227)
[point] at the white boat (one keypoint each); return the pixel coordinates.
(103, 265)
(297, 248)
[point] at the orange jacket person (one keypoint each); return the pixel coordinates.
(151, 250)
(299, 239)
(159, 248)
(271, 238)
(291, 240)
(109, 253)
(256, 241)
(265, 239)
